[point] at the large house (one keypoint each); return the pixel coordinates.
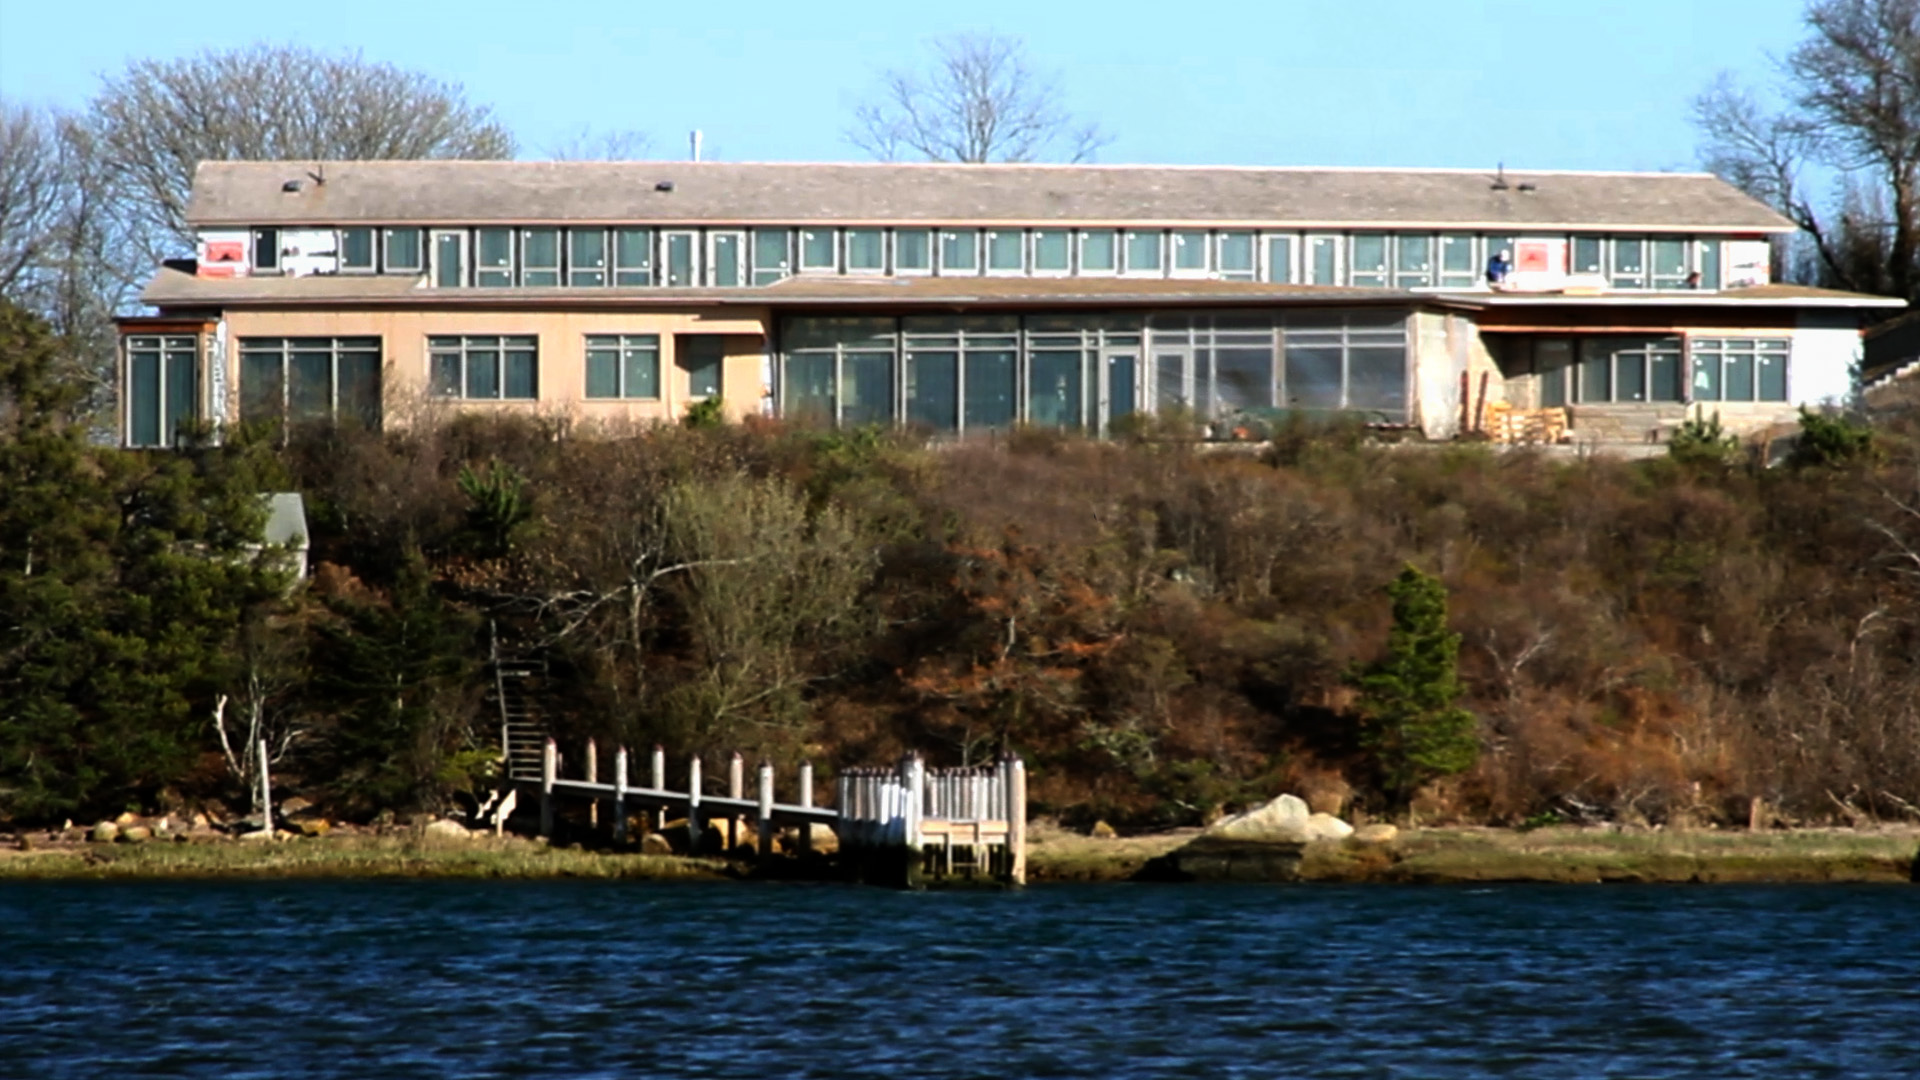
(969, 297)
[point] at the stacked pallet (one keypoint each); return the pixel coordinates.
(1507, 424)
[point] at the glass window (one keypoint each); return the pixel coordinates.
(266, 249)
(701, 356)
(1739, 369)
(1190, 252)
(493, 265)
(1054, 387)
(586, 258)
(1412, 261)
(990, 387)
(623, 366)
(807, 389)
(1145, 251)
(817, 250)
(357, 250)
(1377, 379)
(866, 388)
(1629, 264)
(1323, 260)
(1630, 369)
(1098, 252)
(1772, 363)
(680, 260)
(1587, 255)
(866, 251)
(1369, 260)
(772, 259)
(162, 380)
(725, 260)
(1456, 261)
(933, 388)
(959, 251)
(1669, 264)
(912, 251)
(1006, 251)
(1245, 376)
(1052, 251)
(310, 378)
(1236, 256)
(633, 257)
(1313, 373)
(1710, 264)
(1280, 259)
(484, 367)
(540, 257)
(1552, 358)
(402, 251)
(449, 260)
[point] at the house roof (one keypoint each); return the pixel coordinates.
(247, 193)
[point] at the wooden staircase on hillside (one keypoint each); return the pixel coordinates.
(523, 736)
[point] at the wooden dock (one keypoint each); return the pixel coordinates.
(906, 826)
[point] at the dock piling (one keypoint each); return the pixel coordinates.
(766, 809)
(660, 783)
(620, 795)
(736, 789)
(693, 804)
(806, 802)
(549, 767)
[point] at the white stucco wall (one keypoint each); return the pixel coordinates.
(1439, 358)
(1826, 354)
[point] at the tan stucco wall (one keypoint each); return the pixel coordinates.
(562, 372)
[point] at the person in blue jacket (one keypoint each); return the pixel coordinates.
(1499, 267)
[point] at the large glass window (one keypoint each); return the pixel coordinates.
(960, 251)
(632, 257)
(1552, 363)
(449, 259)
(1369, 260)
(484, 367)
(1190, 252)
(817, 251)
(1146, 250)
(933, 388)
(807, 387)
(681, 256)
(1006, 251)
(1099, 251)
(701, 356)
(772, 255)
(1669, 263)
(1280, 259)
(310, 378)
(1740, 369)
(866, 387)
(1457, 269)
(1054, 387)
(1629, 369)
(1236, 259)
(1323, 260)
(402, 251)
(162, 379)
(1588, 255)
(990, 387)
(623, 366)
(540, 257)
(1710, 264)
(357, 254)
(493, 263)
(913, 251)
(266, 250)
(586, 258)
(1629, 263)
(1412, 261)
(1052, 251)
(726, 262)
(866, 251)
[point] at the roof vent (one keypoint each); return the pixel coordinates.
(1500, 177)
(663, 185)
(291, 187)
(1527, 188)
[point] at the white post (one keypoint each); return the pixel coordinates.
(620, 795)
(693, 805)
(593, 777)
(549, 767)
(766, 809)
(736, 789)
(266, 789)
(1017, 818)
(806, 801)
(660, 783)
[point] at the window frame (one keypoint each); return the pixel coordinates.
(526, 267)
(619, 270)
(388, 266)
(878, 269)
(1289, 274)
(1725, 350)
(992, 238)
(833, 243)
(762, 275)
(337, 346)
(663, 273)
(508, 269)
(1179, 241)
(711, 270)
(436, 269)
(437, 347)
(1403, 278)
(1033, 253)
(1311, 245)
(622, 344)
(575, 272)
(947, 269)
(1219, 244)
(267, 239)
(1081, 268)
(166, 348)
(1385, 270)
(1127, 267)
(893, 252)
(372, 265)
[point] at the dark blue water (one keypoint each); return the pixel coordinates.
(402, 979)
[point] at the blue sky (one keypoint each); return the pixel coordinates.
(1541, 84)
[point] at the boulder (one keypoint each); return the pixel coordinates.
(135, 834)
(105, 832)
(128, 818)
(1327, 827)
(262, 836)
(295, 806)
(820, 836)
(1282, 821)
(441, 828)
(1381, 833)
(655, 844)
(313, 826)
(1102, 831)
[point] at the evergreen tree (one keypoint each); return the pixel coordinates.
(1412, 726)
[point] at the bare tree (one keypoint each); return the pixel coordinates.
(31, 189)
(979, 100)
(160, 118)
(586, 144)
(1852, 106)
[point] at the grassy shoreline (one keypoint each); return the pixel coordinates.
(1420, 856)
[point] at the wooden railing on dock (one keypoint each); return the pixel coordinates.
(907, 825)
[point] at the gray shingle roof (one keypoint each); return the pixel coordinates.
(532, 192)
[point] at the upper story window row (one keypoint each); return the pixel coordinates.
(646, 256)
